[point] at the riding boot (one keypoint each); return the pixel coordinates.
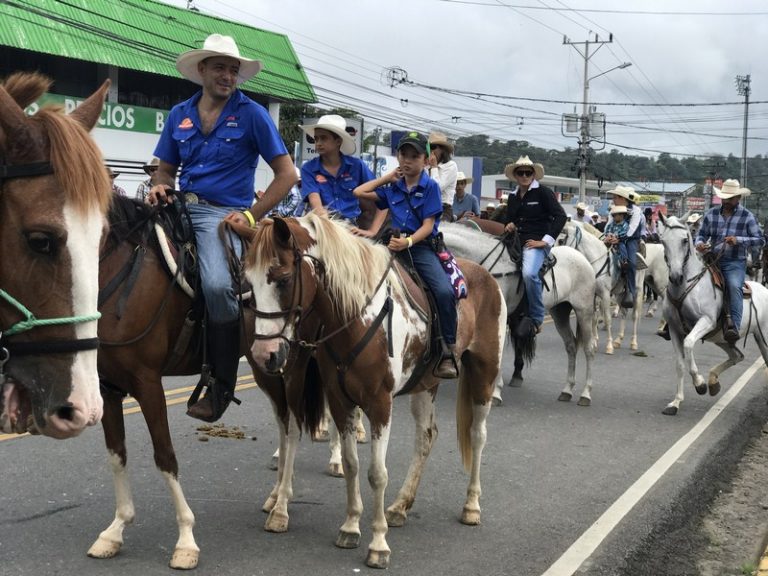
(663, 331)
(447, 367)
(626, 300)
(224, 356)
(730, 333)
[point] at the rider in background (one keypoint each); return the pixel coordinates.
(728, 231)
(217, 137)
(443, 170)
(626, 196)
(464, 204)
(534, 212)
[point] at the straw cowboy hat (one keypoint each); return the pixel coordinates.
(581, 206)
(693, 218)
(440, 139)
(538, 169)
(461, 176)
(730, 189)
(625, 192)
(336, 124)
(216, 45)
(618, 210)
(151, 166)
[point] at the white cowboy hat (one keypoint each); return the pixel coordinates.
(336, 124)
(581, 206)
(730, 189)
(509, 170)
(618, 210)
(440, 139)
(490, 206)
(693, 218)
(625, 192)
(461, 176)
(216, 45)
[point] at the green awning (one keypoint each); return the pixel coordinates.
(146, 35)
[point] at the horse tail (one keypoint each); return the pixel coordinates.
(313, 398)
(464, 419)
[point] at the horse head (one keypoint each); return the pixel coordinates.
(54, 193)
(678, 247)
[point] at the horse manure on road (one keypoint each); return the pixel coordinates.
(640, 354)
(220, 431)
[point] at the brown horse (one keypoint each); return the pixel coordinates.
(373, 337)
(146, 333)
(54, 193)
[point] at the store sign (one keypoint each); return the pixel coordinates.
(695, 203)
(113, 117)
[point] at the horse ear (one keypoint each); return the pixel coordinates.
(684, 217)
(282, 232)
(662, 218)
(12, 117)
(87, 114)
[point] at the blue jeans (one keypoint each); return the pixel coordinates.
(734, 272)
(431, 271)
(632, 246)
(533, 258)
(215, 277)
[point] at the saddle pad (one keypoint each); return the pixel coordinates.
(413, 290)
(170, 253)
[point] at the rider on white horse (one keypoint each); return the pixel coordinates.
(533, 210)
(626, 196)
(728, 231)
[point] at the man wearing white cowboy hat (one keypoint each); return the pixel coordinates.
(217, 137)
(728, 231)
(626, 196)
(443, 170)
(464, 204)
(535, 214)
(142, 191)
(327, 181)
(581, 213)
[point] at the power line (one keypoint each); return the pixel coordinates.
(499, 4)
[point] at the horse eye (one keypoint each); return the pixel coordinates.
(42, 243)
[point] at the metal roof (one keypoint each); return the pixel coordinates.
(146, 35)
(660, 187)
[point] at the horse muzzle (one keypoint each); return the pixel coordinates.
(270, 355)
(676, 279)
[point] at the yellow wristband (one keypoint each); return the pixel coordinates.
(249, 216)
(410, 242)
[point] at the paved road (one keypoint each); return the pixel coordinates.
(551, 471)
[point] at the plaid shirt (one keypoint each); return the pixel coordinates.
(741, 224)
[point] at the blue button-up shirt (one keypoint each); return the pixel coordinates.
(220, 166)
(409, 208)
(336, 191)
(741, 224)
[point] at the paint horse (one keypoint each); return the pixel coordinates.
(54, 193)
(373, 337)
(570, 288)
(692, 309)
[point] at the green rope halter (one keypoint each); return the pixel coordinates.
(30, 321)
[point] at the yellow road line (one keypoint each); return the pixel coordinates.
(130, 406)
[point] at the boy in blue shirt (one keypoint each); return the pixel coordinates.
(616, 234)
(415, 204)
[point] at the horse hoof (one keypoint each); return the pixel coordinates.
(273, 463)
(701, 389)
(564, 397)
(617, 343)
(362, 438)
(714, 389)
(378, 559)
(670, 411)
(496, 401)
(276, 522)
(584, 401)
(184, 559)
(609, 349)
(633, 346)
(269, 504)
(649, 314)
(321, 436)
(336, 470)
(516, 382)
(104, 548)
(347, 540)
(470, 517)
(395, 518)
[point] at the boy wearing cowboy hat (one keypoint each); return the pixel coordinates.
(535, 214)
(217, 137)
(329, 179)
(464, 204)
(443, 170)
(616, 234)
(144, 187)
(728, 231)
(626, 196)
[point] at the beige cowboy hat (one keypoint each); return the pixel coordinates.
(461, 176)
(581, 206)
(730, 189)
(625, 192)
(336, 124)
(216, 45)
(490, 206)
(693, 218)
(618, 210)
(440, 139)
(150, 166)
(509, 170)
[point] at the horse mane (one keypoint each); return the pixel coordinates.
(76, 160)
(127, 215)
(591, 229)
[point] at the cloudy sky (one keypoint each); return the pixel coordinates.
(493, 64)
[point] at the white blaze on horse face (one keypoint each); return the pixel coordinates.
(266, 297)
(83, 239)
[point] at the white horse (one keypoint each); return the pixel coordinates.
(692, 309)
(657, 274)
(570, 286)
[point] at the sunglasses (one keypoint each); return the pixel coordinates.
(524, 173)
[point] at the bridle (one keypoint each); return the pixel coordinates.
(7, 348)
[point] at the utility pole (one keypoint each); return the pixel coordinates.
(744, 89)
(584, 131)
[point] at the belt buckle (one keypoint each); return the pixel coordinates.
(191, 198)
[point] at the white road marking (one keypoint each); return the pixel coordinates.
(586, 545)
